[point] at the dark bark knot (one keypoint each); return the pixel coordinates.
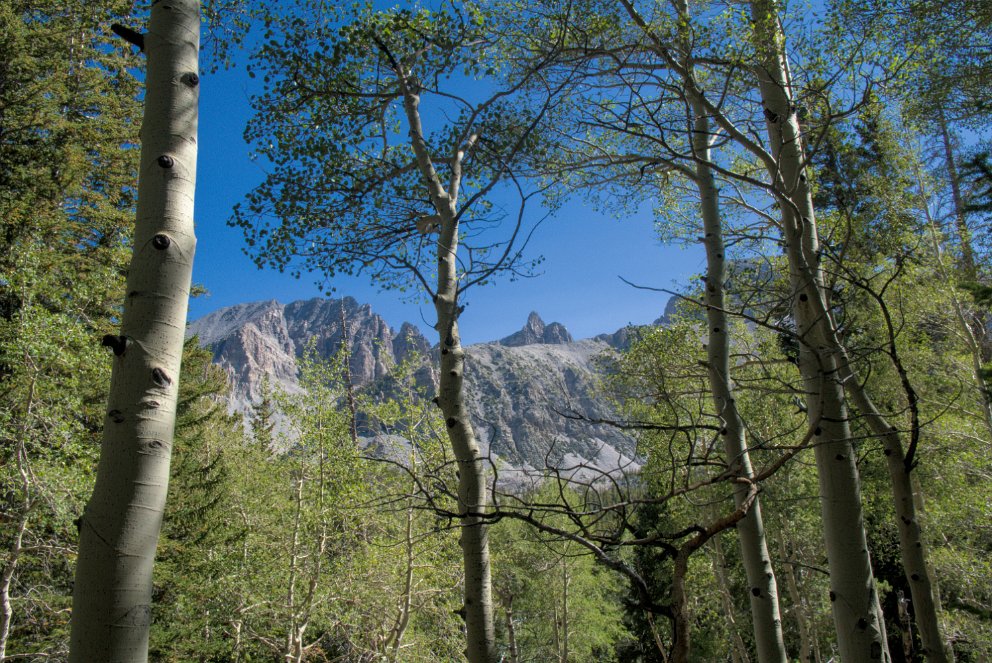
(915, 577)
(454, 374)
(116, 416)
(817, 431)
(862, 624)
(119, 344)
(803, 297)
(190, 79)
(445, 351)
(160, 377)
(756, 591)
(165, 161)
(888, 452)
(839, 457)
(161, 242)
(723, 431)
(451, 421)
(716, 330)
(771, 115)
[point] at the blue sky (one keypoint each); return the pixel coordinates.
(579, 285)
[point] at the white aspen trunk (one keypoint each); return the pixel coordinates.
(564, 611)
(912, 546)
(681, 622)
(511, 631)
(854, 598)
(960, 222)
(120, 526)
(738, 651)
(10, 565)
(395, 639)
(473, 500)
(17, 545)
(292, 635)
(763, 588)
(964, 320)
(472, 491)
(808, 651)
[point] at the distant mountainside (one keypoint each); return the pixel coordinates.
(517, 387)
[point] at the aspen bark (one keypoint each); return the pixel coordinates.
(809, 652)
(120, 526)
(763, 589)
(17, 544)
(395, 639)
(912, 547)
(473, 500)
(738, 651)
(854, 598)
(511, 631)
(967, 264)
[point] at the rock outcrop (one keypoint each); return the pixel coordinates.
(524, 392)
(535, 331)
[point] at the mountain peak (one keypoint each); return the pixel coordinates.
(536, 332)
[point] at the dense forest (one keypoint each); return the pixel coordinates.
(813, 424)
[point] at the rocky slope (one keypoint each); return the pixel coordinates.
(252, 341)
(518, 387)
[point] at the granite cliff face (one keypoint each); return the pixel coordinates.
(518, 388)
(251, 341)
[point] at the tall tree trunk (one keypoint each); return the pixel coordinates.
(912, 547)
(294, 563)
(763, 589)
(854, 598)
(17, 544)
(738, 650)
(564, 609)
(9, 567)
(972, 337)
(472, 490)
(511, 631)
(395, 639)
(120, 526)
(809, 651)
(967, 264)
(473, 500)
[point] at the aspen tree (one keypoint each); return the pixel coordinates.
(762, 586)
(120, 526)
(361, 185)
(854, 597)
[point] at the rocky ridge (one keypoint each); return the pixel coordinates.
(518, 388)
